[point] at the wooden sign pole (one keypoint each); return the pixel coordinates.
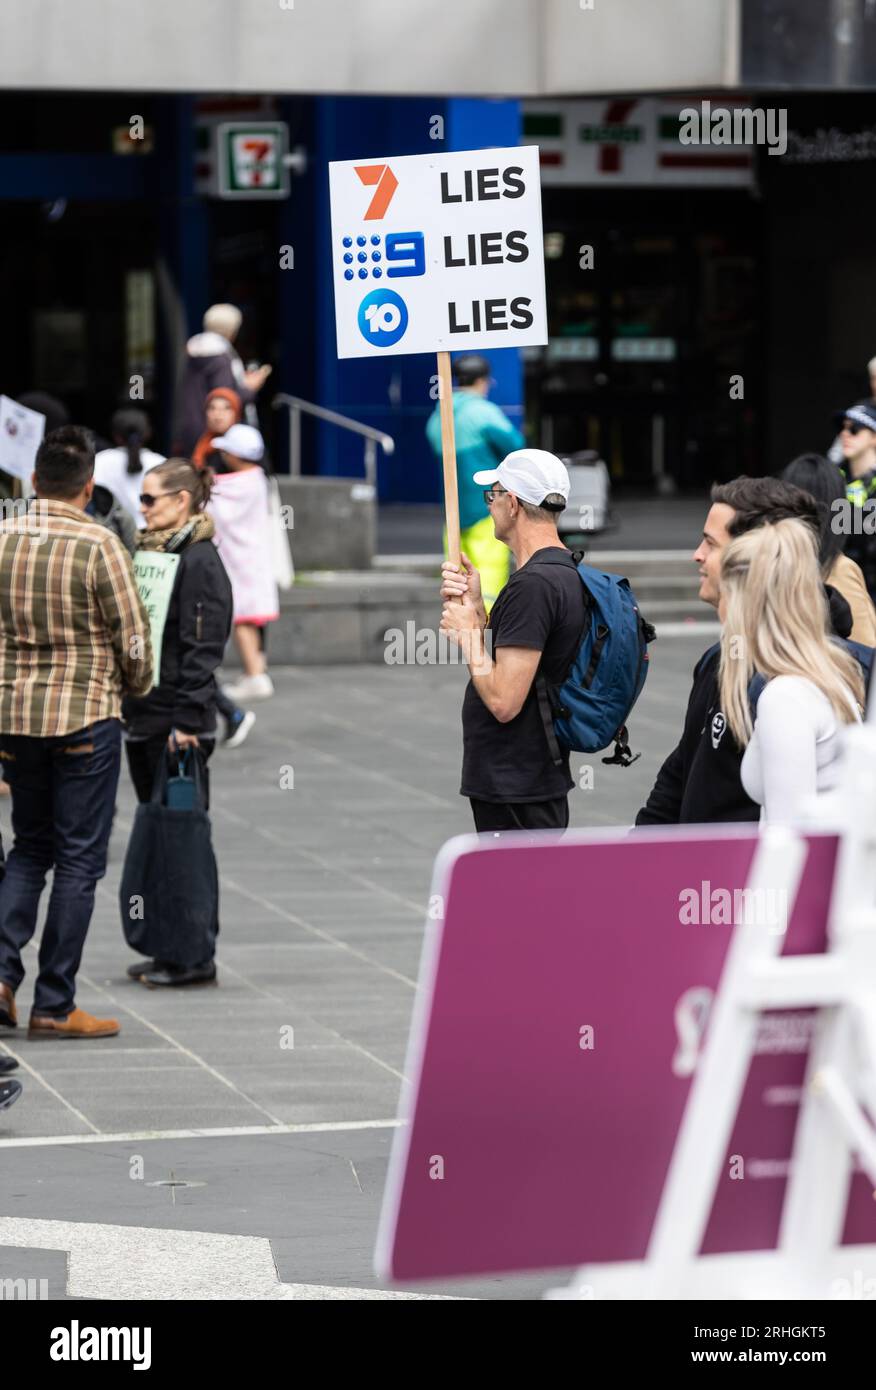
(448, 453)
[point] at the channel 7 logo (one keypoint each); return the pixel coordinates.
(395, 255)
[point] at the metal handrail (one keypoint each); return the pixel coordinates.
(372, 437)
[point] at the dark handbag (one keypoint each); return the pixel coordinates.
(169, 893)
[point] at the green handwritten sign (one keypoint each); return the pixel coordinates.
(155, 573)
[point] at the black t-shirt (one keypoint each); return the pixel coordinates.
(543, 606)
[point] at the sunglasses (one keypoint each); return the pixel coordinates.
(148, 499)
(494, 492)
(852, 427)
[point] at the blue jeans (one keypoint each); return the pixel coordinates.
(63, 798)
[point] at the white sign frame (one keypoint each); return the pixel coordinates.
(398, 213)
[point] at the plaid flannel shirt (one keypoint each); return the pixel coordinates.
(74, 635)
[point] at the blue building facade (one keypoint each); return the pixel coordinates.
(95, 241)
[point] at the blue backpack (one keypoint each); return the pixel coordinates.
(590, 709)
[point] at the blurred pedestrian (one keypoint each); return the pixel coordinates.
(106, 509)
(823, 481)
(74, 637)
(211, 361)
(484, 435)
(9, 1092)
(239, 507)
(54, 410)
(121, 468)
(858, 441)
(775, 626)
(179, 712)
(222, 409)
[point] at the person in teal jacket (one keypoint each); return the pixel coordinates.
(484, 435)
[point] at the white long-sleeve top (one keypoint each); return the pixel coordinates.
(794, 754)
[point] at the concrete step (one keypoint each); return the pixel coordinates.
(331, 617)
(628, 562)
(655, 575)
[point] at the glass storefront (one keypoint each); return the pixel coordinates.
(655, 351)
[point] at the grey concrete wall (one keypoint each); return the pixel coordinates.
(347, 620)
(334, 522)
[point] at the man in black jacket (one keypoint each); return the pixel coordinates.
(700, 780)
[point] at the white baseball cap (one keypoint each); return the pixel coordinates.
(531, 474)
(243, 441)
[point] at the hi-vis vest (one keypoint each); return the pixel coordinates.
(860, 490)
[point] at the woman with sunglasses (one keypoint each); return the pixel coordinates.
(180, 711)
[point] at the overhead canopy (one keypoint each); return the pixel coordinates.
(451, 47)
(464, 47)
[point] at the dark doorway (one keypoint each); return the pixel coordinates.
(646, 344)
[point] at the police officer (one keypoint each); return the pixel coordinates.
(858, 443)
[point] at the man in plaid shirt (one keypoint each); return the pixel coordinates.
(74, 637)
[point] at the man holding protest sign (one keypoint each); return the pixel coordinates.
(535, 627)
(442, 252)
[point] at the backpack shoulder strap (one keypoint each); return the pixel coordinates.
(545, 709)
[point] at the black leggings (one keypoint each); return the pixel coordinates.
(521, 815)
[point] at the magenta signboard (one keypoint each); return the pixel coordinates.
(561, 1010)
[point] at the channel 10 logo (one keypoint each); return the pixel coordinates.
(383, 317)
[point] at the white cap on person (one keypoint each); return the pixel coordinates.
(241, 441)
(531, 474)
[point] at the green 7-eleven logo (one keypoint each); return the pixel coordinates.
(387, 183)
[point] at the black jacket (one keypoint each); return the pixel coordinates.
(197, 628)
(700, 782)
(210, 362)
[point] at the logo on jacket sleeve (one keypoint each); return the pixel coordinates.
(719, 724)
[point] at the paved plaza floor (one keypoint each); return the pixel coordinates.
(260, 1113)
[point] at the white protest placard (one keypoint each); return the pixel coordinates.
(154, 573)
(438, 252)
(21, 433)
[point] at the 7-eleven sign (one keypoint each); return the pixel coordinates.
(251, 159)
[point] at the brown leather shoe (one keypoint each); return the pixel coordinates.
(77, 1024)
(8, 1015)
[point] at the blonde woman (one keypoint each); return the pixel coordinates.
(775, 624)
